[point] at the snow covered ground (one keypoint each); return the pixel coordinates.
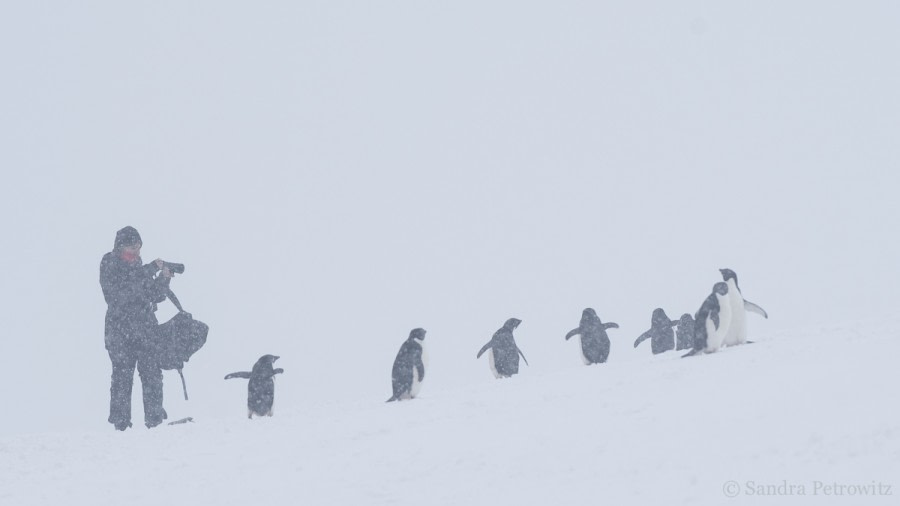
(800, 417)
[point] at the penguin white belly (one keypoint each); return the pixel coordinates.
(417, 382)
(490, 356)
(716, 337)
(713, 337)
(581, 351)
(737, 331)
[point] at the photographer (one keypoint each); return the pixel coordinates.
(132, 291)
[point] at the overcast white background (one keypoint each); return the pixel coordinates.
(336, 173)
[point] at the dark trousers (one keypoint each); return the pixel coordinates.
(125, 357)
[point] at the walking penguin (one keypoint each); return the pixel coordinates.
(661, 335)
(261, 389)
(712, 321)
(593, 337)
(409, 367)
(684, 334)
(503, 353)
(737, 331)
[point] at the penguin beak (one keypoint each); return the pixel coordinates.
(276, 358)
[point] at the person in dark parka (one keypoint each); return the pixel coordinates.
(132, 291)
(661, 335)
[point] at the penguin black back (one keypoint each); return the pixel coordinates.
(504, 351)
(661, 335)
(261, 389)
(684, 334)
(594, 339)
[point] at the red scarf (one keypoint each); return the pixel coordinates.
(129, 257)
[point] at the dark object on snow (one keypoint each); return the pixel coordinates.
(594, 340)
(261, 390)
(684, 334)
(178, 339)
(409, 367)
(503, 357)
(183, 420)
(661, 335)
(132, 292)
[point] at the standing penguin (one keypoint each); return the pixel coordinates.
(737, 332)
(712, 322)
(503, 353)
(684, 334)
(261, 389)
(661, 335)
(594, 341)
(409, 367)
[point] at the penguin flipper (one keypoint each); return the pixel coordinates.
(278, 371)
(610, 325)
(483, 349)
(420, 367)
(643, 337)
(749, 306)
(573, 333)
(715, 319)
(241, 374)
(523, 356)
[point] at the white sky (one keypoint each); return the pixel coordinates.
(334, 174)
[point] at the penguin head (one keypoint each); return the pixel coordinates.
(418, 333)
(686, 318)
(266, 359)
(720, 288)
(728, 274)
(589, 316)
(512, 323)
(264, 364)
(659, 317)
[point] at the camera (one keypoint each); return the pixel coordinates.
(174, 268)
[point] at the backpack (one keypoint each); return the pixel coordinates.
(178, 339)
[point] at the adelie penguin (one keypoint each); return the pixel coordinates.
(593, 337)
(503, 353)
(409, 367)
(661, 335)
(261, 389)
(712, 321)
(737, 332)
(684, 334)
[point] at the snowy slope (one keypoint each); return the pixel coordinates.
(795, 408)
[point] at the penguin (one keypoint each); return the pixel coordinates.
(593, 337)
(661, 335)
(409, 367)
(503, 353)
(261, 389)
(737, 332)
(684, 334)
(712, 321)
